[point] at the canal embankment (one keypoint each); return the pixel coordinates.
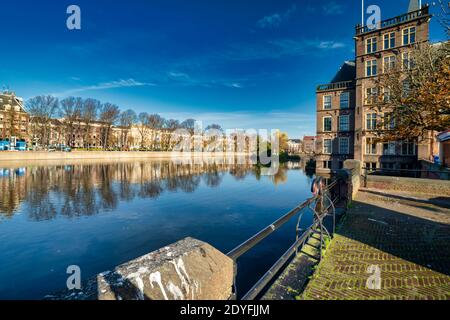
(14, 156)
(391, 245)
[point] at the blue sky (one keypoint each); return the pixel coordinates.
(242, 64)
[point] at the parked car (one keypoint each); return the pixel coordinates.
(4, 145)
(21, 146)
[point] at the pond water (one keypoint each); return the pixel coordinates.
(98, 215)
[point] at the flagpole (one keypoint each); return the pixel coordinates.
(362, 13)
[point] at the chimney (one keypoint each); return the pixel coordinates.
(413, 5)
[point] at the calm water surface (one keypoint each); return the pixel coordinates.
(99, 215)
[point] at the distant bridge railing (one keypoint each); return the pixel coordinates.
(322, 205)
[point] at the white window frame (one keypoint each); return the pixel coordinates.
(386, 95)
(348, 122)
(388, 121)
(373, 43)
(327, 117)
(372, 70)
(391, 149)
(407, 33)
(408, 154)
(390, 64)
(347, 99)
(370, 120)
(331, 102)
(347, 151)
(369, 99)
(331, 146)
(406, 62)
(390, 36)
(369, 147)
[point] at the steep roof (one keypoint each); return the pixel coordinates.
(347, 72)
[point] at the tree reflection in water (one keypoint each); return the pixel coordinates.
(87, 189)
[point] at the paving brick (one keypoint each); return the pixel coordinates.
(408, 244)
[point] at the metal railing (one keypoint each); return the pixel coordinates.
(322, 206)
(395, 21)
(336, 86)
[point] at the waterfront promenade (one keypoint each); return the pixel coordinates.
(44, 155)
(404, 236)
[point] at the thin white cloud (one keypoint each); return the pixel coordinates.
(333, 8)
(276, 19)
(105, 86)
(279, 48)
(175, 78)
(330, 45)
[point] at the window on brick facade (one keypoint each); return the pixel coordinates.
(371, 45)
(389, 40)
(408, 148)
(406, 88)
(371, 146)
(327, 124)
(344, 145)
(327, 102)
(371, 121)
(409, 35)
(327, 165)
(388, 121)
(327, 146)
(389, 63)
(389, 149)
(344, 123)
(371, 95)
(371, 68)
(386, 95)
(371, 165)
(344, 100)
(407, 62)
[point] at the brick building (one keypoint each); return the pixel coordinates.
(309, 145)
(13, 118)
(346, 121)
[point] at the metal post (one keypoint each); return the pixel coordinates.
(234, 293)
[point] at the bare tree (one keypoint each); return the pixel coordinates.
(214, 127)
(143, 127)
(169, 126)
(88, 116)
(443, 16)
(127, 119)
(42, 109)
(155, 123)
(71, 109)
(189, 125)
(109, 115)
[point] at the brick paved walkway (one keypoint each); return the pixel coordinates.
(406, 238)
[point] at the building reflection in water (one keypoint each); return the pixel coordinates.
(85, 189)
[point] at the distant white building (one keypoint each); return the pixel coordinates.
(295, 146)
